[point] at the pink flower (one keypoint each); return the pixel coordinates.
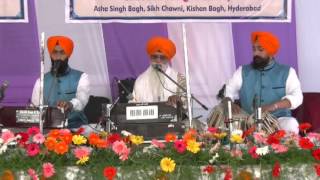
(313, 136)
(158, 144)
(125, 154)
(48, 170)
(64, 131)
(33, 149)
(38, 138)
(81, 152)
(279, 148)
(252, 152)
(258, 137)
(32, 173)
(33, 130)
(119, 147)
(7, 135)
(180, 146)
(236, 153)
(212, 130)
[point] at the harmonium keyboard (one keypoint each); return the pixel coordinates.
(151, 120)
(23, 117)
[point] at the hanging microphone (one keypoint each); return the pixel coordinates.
(157, 67)
(129, 96)
(3, 88)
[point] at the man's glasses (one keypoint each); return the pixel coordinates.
(161, 57)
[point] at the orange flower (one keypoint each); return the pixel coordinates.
(50, 143)
(61, 148)
(67, 138)
(54, 133)
(102, 143)
(191, 134)
(7, 175)
(170, 137)
(93, 139)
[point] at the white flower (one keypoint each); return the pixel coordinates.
(126, 133)
(3, 149)
(147, 149)
(237, 132)
(1, 141)
(262, 151)
(214, 158)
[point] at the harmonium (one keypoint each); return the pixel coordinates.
(150, 120)
(24, 117)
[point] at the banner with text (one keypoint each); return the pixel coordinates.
(177, 10)
(13, 11)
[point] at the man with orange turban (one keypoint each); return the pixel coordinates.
(153, 86)
(64, 87)
(266, 83)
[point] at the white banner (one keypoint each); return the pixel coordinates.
(13, 11)
(177, 10)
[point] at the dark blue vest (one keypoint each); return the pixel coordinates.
(64, 88)
(268, 85)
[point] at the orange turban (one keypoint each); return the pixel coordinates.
(63, 41)
(267, 40)
(163, 45)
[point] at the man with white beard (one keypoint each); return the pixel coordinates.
(153, 86)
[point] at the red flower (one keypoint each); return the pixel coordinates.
(276, 169)
(228, 174)
(252, 152)
(24, 138)
(33, 149)
(113, 138)
(80, 131)
(317, 169)
(33, 130)
(280, 134)
(316, 154)
(208, 169)
(109, 172)
(304, 126)
(305, 143)
(272, 139)
(248, 132)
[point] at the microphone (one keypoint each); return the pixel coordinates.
(157, 67)
(3, 88)
(129, 96)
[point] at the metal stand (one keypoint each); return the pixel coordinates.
(258, 118)
(109, 123)
(41, 104)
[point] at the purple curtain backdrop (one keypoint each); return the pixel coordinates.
(20, 58)
(126, 56)
(286, 33)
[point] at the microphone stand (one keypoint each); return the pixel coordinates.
(41, 104)
(109, 123)
(182, 88)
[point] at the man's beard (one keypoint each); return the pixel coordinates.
(156, 81)
(59, 67)
(259, 62)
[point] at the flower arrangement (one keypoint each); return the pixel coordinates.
(212, 153)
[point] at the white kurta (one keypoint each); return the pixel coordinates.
(293, 94)
(144, 89)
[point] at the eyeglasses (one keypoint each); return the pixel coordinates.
(161, 57)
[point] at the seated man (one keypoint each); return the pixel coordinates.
(64, 87)
(265, 82)
(153, 86)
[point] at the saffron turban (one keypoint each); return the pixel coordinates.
(267, 40)
(163, 45)
(63, 41)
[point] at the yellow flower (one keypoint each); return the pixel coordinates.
(236, 138)
(79, 139)
(220, 135)
(136, 139)
(193, 146)
(83, 160)
(167, 164)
